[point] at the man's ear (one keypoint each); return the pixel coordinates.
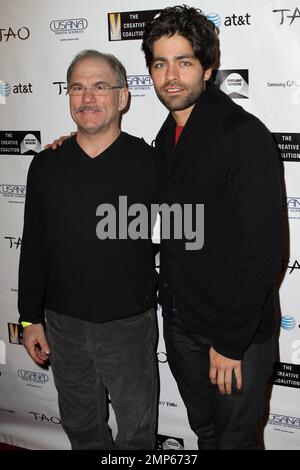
(123, 98)
(207, 74)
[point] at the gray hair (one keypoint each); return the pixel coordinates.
(117, 68)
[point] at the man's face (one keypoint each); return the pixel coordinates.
(95, 114)
(177, 74)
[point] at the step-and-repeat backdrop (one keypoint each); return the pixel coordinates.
(260, 70)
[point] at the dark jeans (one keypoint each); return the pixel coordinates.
(219, 421)
(89, 359)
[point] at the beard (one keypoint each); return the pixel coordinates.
(179, 103)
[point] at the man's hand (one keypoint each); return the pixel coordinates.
(34, 340)
(221, 370)
(57, 142)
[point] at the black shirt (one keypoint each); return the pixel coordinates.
(64, 266)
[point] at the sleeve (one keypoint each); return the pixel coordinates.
(255, 189)
(32, 267)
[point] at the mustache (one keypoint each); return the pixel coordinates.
(86, 107)
(172, 83)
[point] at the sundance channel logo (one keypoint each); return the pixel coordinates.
(235, 83)
(291, 207)
(169, 442)
(69, 29)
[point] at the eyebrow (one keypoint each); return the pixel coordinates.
(177, 57)
(99, 82)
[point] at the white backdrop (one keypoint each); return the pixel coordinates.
(260, 69)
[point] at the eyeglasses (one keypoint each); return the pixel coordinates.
(97, 90)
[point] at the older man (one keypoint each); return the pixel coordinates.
(98, 293)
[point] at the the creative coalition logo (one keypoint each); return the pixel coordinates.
(288, 322)
(69, 29)
(127, 25)
(287, 16)
(15, 333)
(33, 377)
(169, 443)
(288, 145)
(9, 33)
(235, 83)
(41, 417)
(291, 207)
(20, 142)
(286, 375)
(231, 20)
(139, 84)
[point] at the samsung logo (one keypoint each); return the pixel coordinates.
(31, 376)
(13, 189)
(77, 24)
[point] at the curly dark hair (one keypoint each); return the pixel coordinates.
(190, 23)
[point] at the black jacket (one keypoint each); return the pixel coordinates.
(225, 159)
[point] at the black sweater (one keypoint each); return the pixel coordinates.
(64, 266)
(225, 159)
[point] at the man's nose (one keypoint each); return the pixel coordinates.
(172, 72)
(88, 95)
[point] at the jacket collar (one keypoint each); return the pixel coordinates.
(210, 109)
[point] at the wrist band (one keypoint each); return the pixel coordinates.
(25, 323)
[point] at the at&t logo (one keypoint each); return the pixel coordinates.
(231, 20)
(288, 322)
(5, 91)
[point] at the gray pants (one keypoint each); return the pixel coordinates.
(90, 359)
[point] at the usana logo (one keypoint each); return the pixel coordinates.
(32, 376)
